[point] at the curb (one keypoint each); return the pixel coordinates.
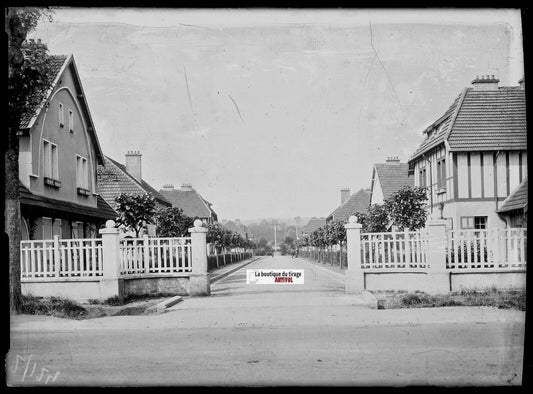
(162, 306)
(232, 270)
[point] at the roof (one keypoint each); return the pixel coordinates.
(392, 177)
(113, 180)
(313, 224)
(237, 227)
(102, 210)
(517, 200)
(190, 201)
(358, 202)
(482, 120)
(58, 65)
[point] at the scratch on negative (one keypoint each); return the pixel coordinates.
(188, 91)
(236, 107)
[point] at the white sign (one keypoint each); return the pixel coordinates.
(270, 277)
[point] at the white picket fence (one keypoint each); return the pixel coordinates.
(394, 251)
(61, 258)
(155, 255)
(496, 249)
(476, 250)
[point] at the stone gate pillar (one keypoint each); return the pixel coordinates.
(354, 280)
(199, 278)
(110, 283)
(438, 279)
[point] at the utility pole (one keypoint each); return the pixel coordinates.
(275, 236)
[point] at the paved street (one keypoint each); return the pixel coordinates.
(310, 334)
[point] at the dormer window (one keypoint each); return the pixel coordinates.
(70, 120)
(61, 117)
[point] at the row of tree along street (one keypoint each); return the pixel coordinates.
(403, 210)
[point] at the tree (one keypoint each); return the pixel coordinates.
(172, 222)
(406, 208)
(216, 235)
(29, 77)
(375, 219)
(136, 211)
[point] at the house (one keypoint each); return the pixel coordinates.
(388, 178)
(350, 204)
(514, 208)
(474, 155)
(115, 178)
(58, 157)
(239, 228)
(312, 225)
(190, 201)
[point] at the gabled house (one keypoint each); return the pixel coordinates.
(115, 178)
(312, 225)
(388, 178)
(58, 157)
(474, 155)
(190, 201)
(350, 204)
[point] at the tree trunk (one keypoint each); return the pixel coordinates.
(12, 212)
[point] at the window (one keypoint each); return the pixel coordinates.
(47, 228)
(50, 160)
(441, 173)
(422, 178)
(61, 118)
(77, 229)
(56, 227)
(82, 174)
(70, 120)
(474, 222)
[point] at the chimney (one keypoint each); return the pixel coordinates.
(487, 82)
(186, 187)
(345, 194)
(393, 160)
(133, 164)
(522, 83)
(168, 188)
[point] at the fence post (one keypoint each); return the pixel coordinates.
(354, 277)
(438, 277)
(146, 254)
(199, 283)
(111, 283)
(57, 257)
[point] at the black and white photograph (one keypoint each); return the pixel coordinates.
(265, 197)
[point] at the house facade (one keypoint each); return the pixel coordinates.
(475, 155)
(191, 202)
(388, 178)
(58, 157)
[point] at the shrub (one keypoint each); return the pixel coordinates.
(53, 306)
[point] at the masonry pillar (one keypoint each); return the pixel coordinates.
(199, 278)
(354, 280)
(438, 278)
(110, 283)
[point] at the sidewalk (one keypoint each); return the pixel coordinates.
(225, 270)
(326, 267)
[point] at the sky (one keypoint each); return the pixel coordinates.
(269, 113)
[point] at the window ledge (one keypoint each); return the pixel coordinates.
(441, 190)
(52, 182)
(83, 191)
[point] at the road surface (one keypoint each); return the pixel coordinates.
(280, 334)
